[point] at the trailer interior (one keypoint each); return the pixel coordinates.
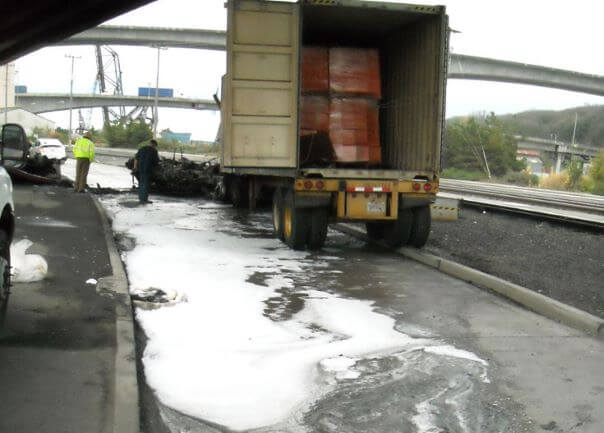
(411, 40)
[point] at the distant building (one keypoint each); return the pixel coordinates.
(533, 160)
(181, 137)
(27, 120)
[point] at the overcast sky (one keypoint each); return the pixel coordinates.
(564, 35)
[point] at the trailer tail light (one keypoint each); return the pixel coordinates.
(308, 184)
(416, 186)
(320, 184)
(428, 187)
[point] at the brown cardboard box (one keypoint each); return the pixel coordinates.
(355, 72)
(314, 113)
(351, 153)
(314, 65)
(356, 114)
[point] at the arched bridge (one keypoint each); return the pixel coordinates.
(460, 66)
(43, 103)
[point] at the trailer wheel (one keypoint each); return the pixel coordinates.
(238, 192)
(296, 223)
(420, 229)
(397, 233)
(278, 213)
(318, 228)
(375, 231)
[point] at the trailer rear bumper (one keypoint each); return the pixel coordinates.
(367, 200)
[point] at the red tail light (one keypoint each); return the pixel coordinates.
(427, 187)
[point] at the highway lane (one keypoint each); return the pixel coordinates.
(537, 375)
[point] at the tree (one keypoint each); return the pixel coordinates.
(575, 171)
(596, 174)
(58, 133)
(127, 134)
(481, 143)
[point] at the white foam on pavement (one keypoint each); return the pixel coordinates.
(219, 356)
(341, 366)
(455, 353)
(427, 414)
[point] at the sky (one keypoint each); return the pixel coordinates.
(556, 34)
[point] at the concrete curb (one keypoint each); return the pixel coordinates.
(126, 411)
(531, 300)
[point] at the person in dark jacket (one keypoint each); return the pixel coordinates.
(144, 161)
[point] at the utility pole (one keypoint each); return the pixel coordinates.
(574, 129)
(72, 57)
(155, 116)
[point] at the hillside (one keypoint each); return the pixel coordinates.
(544, 124)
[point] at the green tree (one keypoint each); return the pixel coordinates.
(127, 134)
(58, 133)
(481, 143)
(575, 171)
(596, 174)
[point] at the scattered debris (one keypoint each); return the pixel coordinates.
(183, 177)
(153, 298)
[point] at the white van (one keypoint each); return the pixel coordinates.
(13, 148)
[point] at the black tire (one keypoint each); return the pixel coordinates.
(397, 233)
(4, 267)
(278, 214)
(420, 229)
(318, 228)
(375, 231)
(238, 192)
(296, 223)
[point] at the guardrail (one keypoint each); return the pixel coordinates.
(576, 207)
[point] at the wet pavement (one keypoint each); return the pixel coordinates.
(530, 374)
(57, 345)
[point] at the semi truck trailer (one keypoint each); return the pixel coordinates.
(260, 109)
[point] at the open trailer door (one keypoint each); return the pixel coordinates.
(260, 110)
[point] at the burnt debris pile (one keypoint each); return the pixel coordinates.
(183, 177)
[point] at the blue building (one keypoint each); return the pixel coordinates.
(181, 137)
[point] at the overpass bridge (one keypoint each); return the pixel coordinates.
(559, 150)
(552, 146)
(45, 102)
(460, 66)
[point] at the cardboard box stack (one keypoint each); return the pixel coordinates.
(341, 90)
(315, 70)
(314, 114)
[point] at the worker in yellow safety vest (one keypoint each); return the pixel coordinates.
(83, 151)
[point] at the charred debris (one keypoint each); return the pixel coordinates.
(184, 177)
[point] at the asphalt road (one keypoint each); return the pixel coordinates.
(57, 346)
(542, 376)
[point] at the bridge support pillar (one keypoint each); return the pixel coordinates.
(558, 162)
